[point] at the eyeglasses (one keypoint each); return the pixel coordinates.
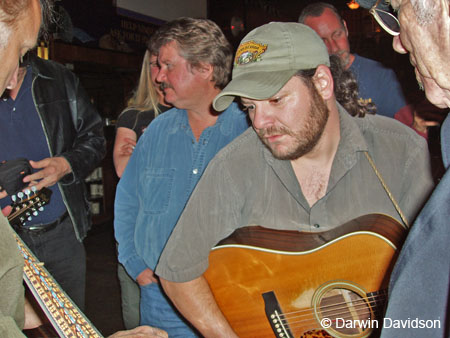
(386, 20)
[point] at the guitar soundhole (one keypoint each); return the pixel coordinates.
(345, 312)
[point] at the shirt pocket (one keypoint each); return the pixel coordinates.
(156, 189)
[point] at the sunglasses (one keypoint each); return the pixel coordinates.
(386, 20)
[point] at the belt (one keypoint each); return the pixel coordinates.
(40, 228)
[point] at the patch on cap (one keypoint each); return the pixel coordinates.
(248, 52)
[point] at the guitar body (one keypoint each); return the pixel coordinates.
(304, 278)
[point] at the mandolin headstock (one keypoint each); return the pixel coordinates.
(28, 204)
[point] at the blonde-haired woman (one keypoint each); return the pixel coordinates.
(146, 103)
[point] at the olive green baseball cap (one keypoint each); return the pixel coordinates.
(383, 4)
(268, 57)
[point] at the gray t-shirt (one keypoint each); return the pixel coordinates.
(245, 185)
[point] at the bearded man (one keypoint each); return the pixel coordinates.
(304, 166)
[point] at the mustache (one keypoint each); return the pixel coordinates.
(164, 85)
(267, 132)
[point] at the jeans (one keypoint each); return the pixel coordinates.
(157, 310)
(63, 256)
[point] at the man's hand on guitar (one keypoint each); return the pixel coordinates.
(146, 277)
(52, 170)
(141, 332)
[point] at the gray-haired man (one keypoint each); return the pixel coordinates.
(419, 287)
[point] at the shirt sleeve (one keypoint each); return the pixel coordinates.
(126, 208)
(127, 119)
(89, 145)
(11, 287)
(9, 328)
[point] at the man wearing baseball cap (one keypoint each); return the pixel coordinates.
(304, 166)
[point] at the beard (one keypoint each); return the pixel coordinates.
(344, 56)
(304, 139)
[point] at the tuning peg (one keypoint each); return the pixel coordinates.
(41, 209)
(33, 188)
(27, 192)
(29, 218)
(35, 213)
(14, 198)
(20, 194)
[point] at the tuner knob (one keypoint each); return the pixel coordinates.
(20, 194)
(41, 209)
(14, 198)
(33, 188)
(35, 213)
(29, 218)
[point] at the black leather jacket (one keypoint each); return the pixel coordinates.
(73, 129)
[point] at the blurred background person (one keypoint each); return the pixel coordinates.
(376, 83)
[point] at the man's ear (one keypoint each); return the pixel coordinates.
(323, 80)
(345, 27)
(205, 70)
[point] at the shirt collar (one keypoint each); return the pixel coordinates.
(224, 122)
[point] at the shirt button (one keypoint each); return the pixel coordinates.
(14, 109)
(195, 171)
(317, 226)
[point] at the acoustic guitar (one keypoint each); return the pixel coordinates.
(65, 317)
(271, 283)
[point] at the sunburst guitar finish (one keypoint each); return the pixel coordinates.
(271, 283)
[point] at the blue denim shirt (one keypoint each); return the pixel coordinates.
(159, 178)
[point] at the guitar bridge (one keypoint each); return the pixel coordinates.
(275, 316)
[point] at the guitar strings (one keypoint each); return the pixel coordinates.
(314, 325)
(329, 310)
(373, 300)
(342, 315)
(312, 322)
(362, 308)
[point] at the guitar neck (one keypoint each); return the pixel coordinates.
(63, 314)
